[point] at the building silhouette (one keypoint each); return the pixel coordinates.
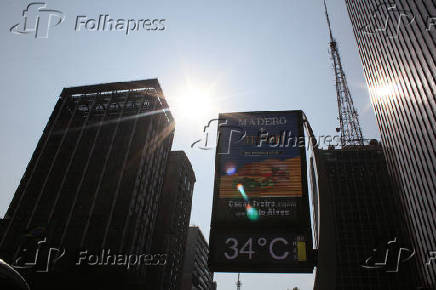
(92, 185)
(196, 274)
(397, 45)
(354, 213)
(10, 279)
(172, 224)
(214, 286)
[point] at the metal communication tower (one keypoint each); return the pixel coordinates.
(238, 284)
(351, 133)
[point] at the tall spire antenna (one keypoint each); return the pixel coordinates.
(328, 22)
(351, 133)
(238, 284)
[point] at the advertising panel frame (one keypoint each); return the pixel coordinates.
(302, 227)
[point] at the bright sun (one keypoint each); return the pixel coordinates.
(193, 101)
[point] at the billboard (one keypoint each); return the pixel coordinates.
(260, 216)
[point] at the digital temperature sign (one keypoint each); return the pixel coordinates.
(260, 216)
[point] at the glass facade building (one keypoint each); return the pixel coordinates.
(397, 46)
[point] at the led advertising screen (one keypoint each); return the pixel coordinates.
(260, 194)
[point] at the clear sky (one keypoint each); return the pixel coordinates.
(213, 56)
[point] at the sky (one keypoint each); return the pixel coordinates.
(212, 57)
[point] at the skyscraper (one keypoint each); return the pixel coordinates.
(170, 234)
(95, 178)
(397, 45)
(354, 213)
(196, 273)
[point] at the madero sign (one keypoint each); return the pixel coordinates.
(260, 216)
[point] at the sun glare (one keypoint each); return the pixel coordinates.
(388, 90)
(194, 101)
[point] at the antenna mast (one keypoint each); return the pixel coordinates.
(238, 284)
(351, 133)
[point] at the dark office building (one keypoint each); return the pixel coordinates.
(170, 234)
(397, 45)
(196, 274)
(93, 183)
(354, 213)
(214, 286)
